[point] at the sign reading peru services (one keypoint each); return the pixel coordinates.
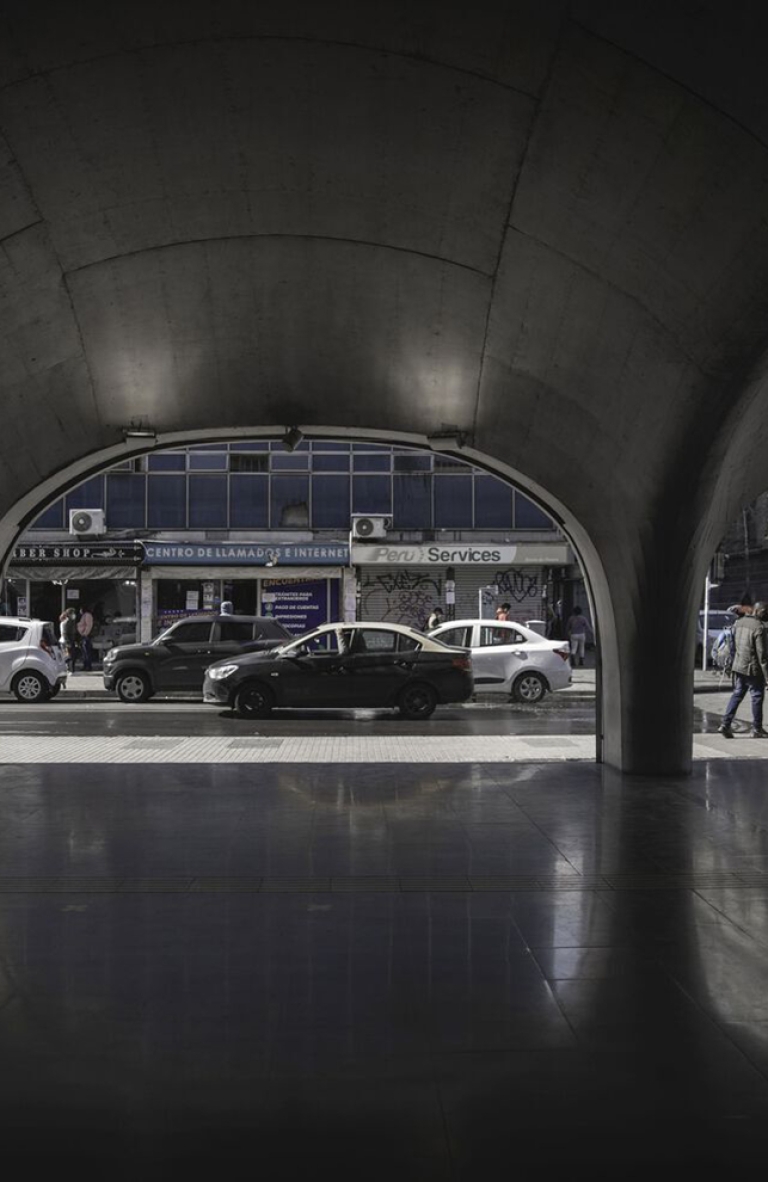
(464, 554)
(246, 554)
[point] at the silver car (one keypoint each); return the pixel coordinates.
(32, 665)
(508, 658)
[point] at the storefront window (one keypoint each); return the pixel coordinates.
(242, 594)
(177, 598)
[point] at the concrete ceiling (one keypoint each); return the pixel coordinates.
(542, 222)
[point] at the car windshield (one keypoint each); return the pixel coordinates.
(317, 642)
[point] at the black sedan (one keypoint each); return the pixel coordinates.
(177, 659)
(344, 665)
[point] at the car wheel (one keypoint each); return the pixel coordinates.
(530, 687)
(253, 701)
(417, 701)
(132, 687)
(30, 687)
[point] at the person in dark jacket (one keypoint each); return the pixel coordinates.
(750, 670)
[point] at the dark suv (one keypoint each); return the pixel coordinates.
(177, 658)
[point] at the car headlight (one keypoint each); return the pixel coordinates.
(219, 672)
(109, 657)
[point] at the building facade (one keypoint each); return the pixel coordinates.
(273, 531)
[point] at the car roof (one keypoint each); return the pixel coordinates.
(21, 620)
(211, 617)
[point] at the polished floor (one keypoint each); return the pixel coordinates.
(381, 971)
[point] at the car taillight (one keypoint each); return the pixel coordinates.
(564, 652)
(461, 663)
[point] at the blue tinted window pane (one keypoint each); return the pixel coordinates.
(207, 462)
(278, 445)
(412, 502)
(290, 502)
(249, 502)
(368, 447)
(453, 502)
(249, 447)
(371, 494)
(371, 463)
(89, 495)
(289, 462)
(167, 502)
(208, 447)
(493, 503)
(412, 462)
(125, 501)
(207, 502)
(330, 463)
(167, 463)
(329, 445)
(52, 517)
(330, 502)
(530, 516)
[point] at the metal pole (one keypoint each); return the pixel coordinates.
(705, 626)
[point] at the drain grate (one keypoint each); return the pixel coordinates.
(151, 744)
(258, 744)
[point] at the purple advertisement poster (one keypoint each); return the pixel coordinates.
(300, 604)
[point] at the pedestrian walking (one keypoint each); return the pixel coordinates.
(750, 670)
(435, 619)
(576, 630)
(502, 612)
(85, 628)
(69, 636)
(227, 607)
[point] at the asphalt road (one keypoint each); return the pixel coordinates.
(555, 716)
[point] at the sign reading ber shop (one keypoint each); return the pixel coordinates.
(463, 554)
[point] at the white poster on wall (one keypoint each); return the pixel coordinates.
(193, 599)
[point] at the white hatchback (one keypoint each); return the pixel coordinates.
(508, 658)
(32, 665)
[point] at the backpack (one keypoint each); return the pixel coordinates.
(724, 650)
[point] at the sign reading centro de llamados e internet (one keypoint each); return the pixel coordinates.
(246, 553)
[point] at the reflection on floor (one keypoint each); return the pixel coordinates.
(433, 972)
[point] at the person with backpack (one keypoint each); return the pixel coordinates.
(750, 670)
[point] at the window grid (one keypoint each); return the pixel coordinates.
(140, 468)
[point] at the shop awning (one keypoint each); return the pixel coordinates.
(72, 574)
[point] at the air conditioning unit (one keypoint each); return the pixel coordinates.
(87, 521)
(366, 527)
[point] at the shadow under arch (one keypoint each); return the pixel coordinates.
(607, 698)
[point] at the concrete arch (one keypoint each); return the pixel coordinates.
(20, 515)
(540, 223)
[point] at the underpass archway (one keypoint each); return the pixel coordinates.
(449, 444)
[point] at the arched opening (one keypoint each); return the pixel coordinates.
(468, 555)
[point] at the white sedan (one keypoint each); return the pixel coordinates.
(508, 658)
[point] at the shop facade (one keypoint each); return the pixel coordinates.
(404, 582)
(45, 578)
(300, 584)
